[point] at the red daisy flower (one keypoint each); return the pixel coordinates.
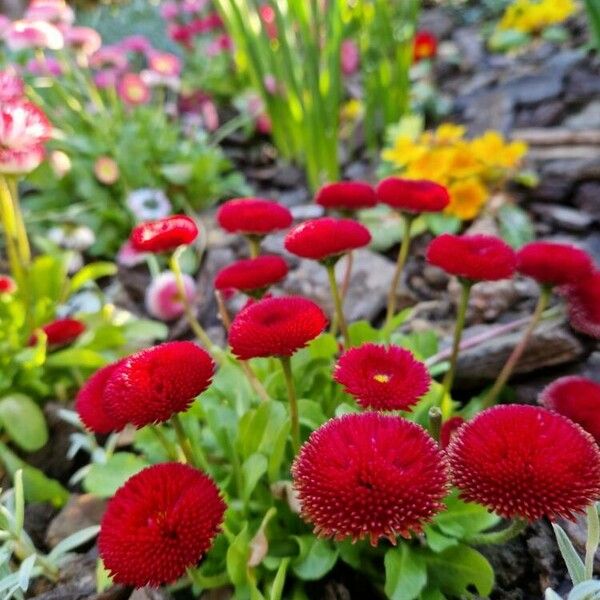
(253, 216)
(89, 402)
(161, 522)
(578, 399)
(583, 303)
(326, 237)
(275, 327)
(7, 285)
(413, 196)
(163, 235)
(449, 429)
(253, 274)
(527, 462)
(347, 195)
(152, 385)
(550, 263)
(472, 257)
(61, 332)
(369, 475)
(382, 378)
(424, 45)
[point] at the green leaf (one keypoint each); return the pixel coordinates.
(460, 570)
(516, 228)
(325, 346)
(317, 557)
(464, 519)
(254, 467)
(24, 422)
(573, 561)
(237, 558)
(362, 332)
(437, 541)
(257, 428)
(92, 272)
(405, 573)
(73, 541)
(439, 223)
(508, 39)
(76, 357)
(103, 480)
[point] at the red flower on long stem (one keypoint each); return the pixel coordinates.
(253, 275)
(583, 304)
(61, 332)
(164, 235)
(369, 476)
(413, 195)
(160, 523)
(253, 216)
(382, 378)
(424, 45)
(526, 462)
(347, 195)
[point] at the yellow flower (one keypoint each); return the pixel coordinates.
(404, 151)
(433, 165)
(532, 16)
(352, 110)
(448, 133)
(467, 198)
(463, 161)
(494, 152)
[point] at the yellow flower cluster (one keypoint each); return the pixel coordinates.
(533, 16)
(468, 168)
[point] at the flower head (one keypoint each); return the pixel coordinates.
(165, 63)
(349, 57)
(163, 300)
(164, 235)
(132, 90)
(147, 204)
(90, 405)
(11, 86)
(472, 257)
(253, 216)
(347, 195)
(106, 170)
(159, 523)
(369, 476)
(527, 462)
(7, 285)
(24, 129)
(382, 378)
(152, 385)
(413, 195)
(252, 275)
(583, 302)
(62, 331)
(46, 66)
(327, 237)
(275, 327)
(424, 45)
(83, 39)
(578, 399)
(136, 43)
(26, 34)
(449, 429)
(550, 263)
(52, 11)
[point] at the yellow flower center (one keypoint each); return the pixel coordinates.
(381, 378)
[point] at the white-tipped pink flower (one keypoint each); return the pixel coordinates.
(129, 257)
(24, 35)
(44, 66)
(165, 63)
(84, 40)
(163, 300)
(11, 85)
(24, 129)
(51, 11)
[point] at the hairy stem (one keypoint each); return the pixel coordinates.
(293, 400)
(337, 300)
(593, 539)
(499, 537)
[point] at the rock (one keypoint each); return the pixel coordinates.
(591, 244)
(588, 118)
(545, 114)
(470, 47)
(307, 211)
(552, 344)
(566, 218)
(587, 198)
(582, 85)
(533, 88)
(490, 299)
(492, 110)
(438, 21)
(287, 176)
(150, 594)
(81, 511)
(37, 518)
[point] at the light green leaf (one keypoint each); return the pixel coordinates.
(73, 541)
(103, 480)
(573, 561)
(516, 227)
(464, 519)
(237, 558)
(254, 467)
(92, 272)
(405, 573)
(24, 422)
(76, 357)
(317, 557)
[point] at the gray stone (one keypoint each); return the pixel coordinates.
(566, 218)
(150, 594)
(81, 511)
(438, 21)
(470, 47)
(534, 88)
(588, 118)
(587, 197)
(492, 110)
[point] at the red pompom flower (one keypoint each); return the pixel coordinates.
(449, 429)
(253, 216)
(382, 378)
(583, 303)
(7, 285)
(89, 402)
(472, 257)
(252, 275)
(61, 332)
(152, 385)
(275, 327)
(550, 263)
(161, 522)
(370, 476)
(320, 239)
(578, 399)
(424, 45)
(526, 462)
(163, 235)
(413, 196)
(347, 195)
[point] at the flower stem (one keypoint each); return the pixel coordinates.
(445, 402)
(164, 442)
(435, 422)
(196, 460)
(499, 537)
(254, 244)
(291, 390)
(593, 539)
(337, 300)
(400, 263)
(518, 350)
(11, 235)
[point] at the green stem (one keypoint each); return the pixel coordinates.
(22, 239)
(516, 354)
(593, 539)
(435, 422)
(196, 460)
(9, 227)
(499, 537)
(293, 400)
(445, 402)
(254, 244)
(337, 300)
(164, 442)
(400, 263)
